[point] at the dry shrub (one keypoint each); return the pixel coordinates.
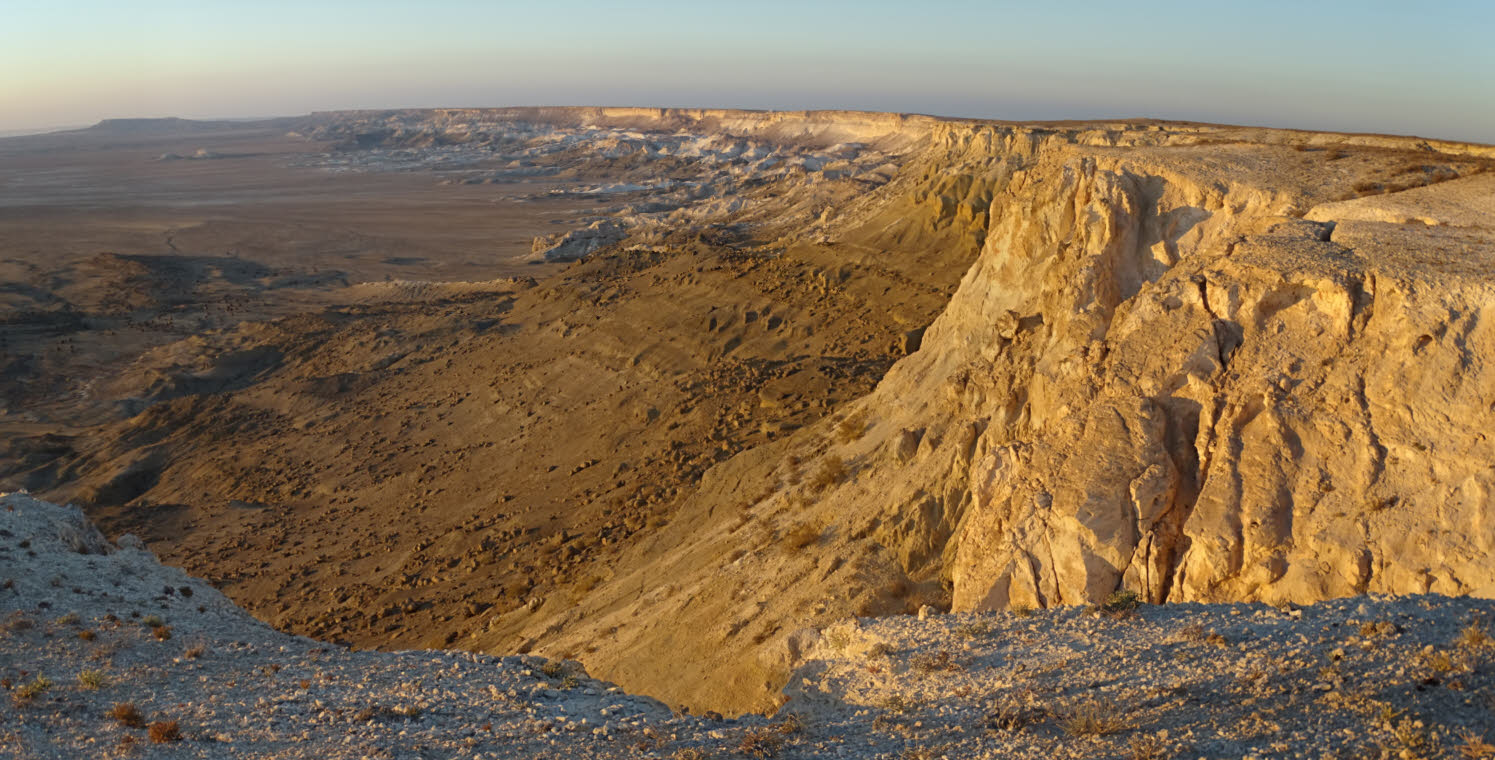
(801, 536)
(127, 715)
(165, 731)
(1193, 632)
(792, 724)
(939, 662)
(852, 428)
(760, 742)
(1009, 716)
(832, 472)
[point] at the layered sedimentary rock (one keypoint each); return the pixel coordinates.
(1196, 362)
(1193, 371)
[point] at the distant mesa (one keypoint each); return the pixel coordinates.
(201, 154)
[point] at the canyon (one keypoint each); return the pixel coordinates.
(672, 392)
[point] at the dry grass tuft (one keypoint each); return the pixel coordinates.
(92, 679)
(1474, 747)
(1148, 748)
(1475, 636)
(1094, 719)
(31, 690)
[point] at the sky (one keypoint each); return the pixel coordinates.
(1423, 68)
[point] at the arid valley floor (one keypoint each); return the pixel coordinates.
(945, 438)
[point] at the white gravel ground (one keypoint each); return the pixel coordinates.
(1355, 678)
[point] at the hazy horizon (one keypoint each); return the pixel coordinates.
(1338, 66)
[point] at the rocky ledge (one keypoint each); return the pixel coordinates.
(104, 652)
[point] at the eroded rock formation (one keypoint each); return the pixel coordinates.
(1196, 362)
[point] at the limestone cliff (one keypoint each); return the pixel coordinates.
(812, 365)
(1181, 367)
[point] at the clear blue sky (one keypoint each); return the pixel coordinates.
(1401, 67)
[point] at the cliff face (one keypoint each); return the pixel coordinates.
(1287, 411)
(1189, 371)
(1196, 362)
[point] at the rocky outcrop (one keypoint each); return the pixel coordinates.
(1190, 361)
(577, 244)
(1183, 389)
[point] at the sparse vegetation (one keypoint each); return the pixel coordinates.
(92, 679)
(152, 621)
(161, 632)
(1094, 719)
(832, 472)
(852, 428)
(1148, 747)
(1119, 605)
(1010, 716)
(939, 662)
(974, 630)
(760, 742)
(1475, 637)
(1411, 736)
(897, 704)
(31, 689)
(802, 535)
(1473, 746)
(127, 715)
(165, 731)
(385, 712)
(1440, 662)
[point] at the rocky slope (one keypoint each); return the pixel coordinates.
(1182, 367)
(104, 652)
(1195, 363)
